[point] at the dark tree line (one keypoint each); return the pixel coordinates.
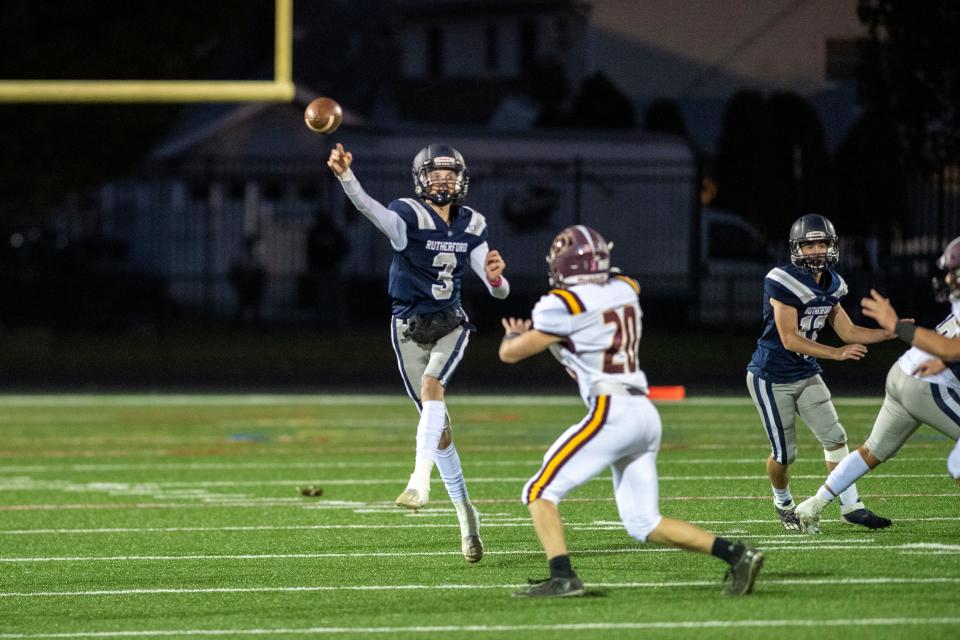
(772, 163)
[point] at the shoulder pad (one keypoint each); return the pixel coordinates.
(477, 224)
(630, 281)
(424, 219)
(571, 301)
(841, 289)
(789, 283)
(551, 315)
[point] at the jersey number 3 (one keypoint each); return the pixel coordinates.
(447, 263)
(625, 339)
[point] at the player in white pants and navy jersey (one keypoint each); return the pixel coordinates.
(923, 387)
(591, 322)
(433, 237)
(783, 376)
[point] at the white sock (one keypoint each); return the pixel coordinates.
(953, 461)
(420, 478)
(468, 517)
(448, 464)
(432, 418)
(841, 480)
(782, 497)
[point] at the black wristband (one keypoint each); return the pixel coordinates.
(905, 331)
(510, 335)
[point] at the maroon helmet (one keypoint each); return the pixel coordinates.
(578, 255)
(948, 289)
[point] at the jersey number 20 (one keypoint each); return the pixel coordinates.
(625, 339)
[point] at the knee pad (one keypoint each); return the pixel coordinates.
(836, 455)
(641, 526)
(833, 436)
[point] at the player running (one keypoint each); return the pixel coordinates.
(591, 323)
(923, 386)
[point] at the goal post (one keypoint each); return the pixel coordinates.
(280, 89)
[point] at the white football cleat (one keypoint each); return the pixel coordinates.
(472, 548)
(412, 499)
(809, 512)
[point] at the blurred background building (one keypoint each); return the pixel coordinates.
(691, 134)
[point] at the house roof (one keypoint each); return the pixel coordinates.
(206, 122)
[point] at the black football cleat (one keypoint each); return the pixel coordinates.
(552, 588)
(866, 518)
(741, 575)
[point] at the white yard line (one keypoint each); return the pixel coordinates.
(244, 502)
(666, 458)
(802, 545)
(454, 630)
(101, 486)
(667, 584)
(489, 522)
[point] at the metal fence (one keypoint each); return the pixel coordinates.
(188, 222)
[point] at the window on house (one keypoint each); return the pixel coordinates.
(435, 51)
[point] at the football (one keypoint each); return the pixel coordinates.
(323, 115)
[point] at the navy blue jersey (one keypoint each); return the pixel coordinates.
(797, 288)
(426, 276)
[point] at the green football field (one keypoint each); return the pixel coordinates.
(179, 516)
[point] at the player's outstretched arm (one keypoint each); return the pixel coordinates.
(880, 309)
(382, 218)
(788, 327)
(339, 161)
(489, 266)
(853, 333)
(521, 341)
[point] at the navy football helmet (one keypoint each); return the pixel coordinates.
(432, 158)
(813, 227)
(948, 288)
(578, 255)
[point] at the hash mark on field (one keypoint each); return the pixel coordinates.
(666, 584)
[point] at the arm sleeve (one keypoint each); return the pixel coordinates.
(387, 221)
(550, 315)
(477, 257)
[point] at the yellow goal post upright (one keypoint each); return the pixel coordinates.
(280, 89)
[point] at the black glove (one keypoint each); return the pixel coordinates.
(430, 327)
